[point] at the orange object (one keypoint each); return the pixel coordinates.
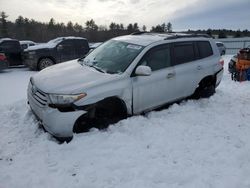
(243, 61)
(242, 64)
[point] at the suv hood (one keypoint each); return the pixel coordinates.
(69, 78)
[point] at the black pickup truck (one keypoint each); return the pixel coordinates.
(12, 50)
(55, 51)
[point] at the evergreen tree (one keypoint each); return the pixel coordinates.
(130, 28)
(209, 32)
(237, 34)
(169, 27)
(157, 29)
(222, 34)
(135, 27)
(91, 26)
(3, 24)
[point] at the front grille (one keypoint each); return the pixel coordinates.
(40, 97)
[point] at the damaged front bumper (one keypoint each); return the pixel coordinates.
(59, 124)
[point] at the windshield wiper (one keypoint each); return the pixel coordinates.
(81, 58)
(96, 68)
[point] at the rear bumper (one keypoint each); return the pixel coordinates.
(219, 76)
(59, 124)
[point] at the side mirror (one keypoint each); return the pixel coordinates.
(143, 70)
(59, 47)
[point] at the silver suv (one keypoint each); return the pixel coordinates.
(124, 76)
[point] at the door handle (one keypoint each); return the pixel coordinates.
(170, 75)
(199, 67)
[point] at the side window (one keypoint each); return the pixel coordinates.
(67, 44)
(183, 52)
(81, 46)
(204, 48)
(157, 58)
(219, 44)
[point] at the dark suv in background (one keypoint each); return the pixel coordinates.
(55, 51)
(12, 50)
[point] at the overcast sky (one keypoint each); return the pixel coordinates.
(183, 14)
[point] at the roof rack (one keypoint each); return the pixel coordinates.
(139, 33)
(183, 35)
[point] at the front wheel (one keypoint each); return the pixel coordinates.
(44, 63)
(106, 112)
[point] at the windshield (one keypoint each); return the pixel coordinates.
(56, 40)
(113, 56)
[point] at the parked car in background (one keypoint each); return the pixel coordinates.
(3, 61)
(221, 47)
(12, 50)
(124, 76)
(55, 51)
(26, 43)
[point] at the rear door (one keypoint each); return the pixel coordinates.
(188, 66)
(66, 50)
(158, 88)
(12, 50)
(81, 47)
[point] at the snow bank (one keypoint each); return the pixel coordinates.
(203, 143)
(13, 84)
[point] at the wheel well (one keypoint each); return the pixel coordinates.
(110, 107)
(113, 102)
(208, 80)
(49, 57)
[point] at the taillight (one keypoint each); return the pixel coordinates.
(2, 57)
(221, 62)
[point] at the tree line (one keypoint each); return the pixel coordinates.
(30, 29)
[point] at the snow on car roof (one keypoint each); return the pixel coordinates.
(6, 39)
(52, 43)
(142, 40)
(26, 42)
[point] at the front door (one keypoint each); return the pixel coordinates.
(158, 88)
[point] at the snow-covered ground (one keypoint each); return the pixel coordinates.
(203, 143)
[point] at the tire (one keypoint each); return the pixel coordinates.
(44, 63)
(204, 91)
(104, 114)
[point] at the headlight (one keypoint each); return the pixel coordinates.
(65, 99)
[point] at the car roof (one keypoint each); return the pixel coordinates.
(7, 39)
(26, 42)
(147, 38)
(69, 37)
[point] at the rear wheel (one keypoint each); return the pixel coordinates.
(205, 90)
(44, 63)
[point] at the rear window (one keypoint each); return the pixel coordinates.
(204, 49)
(183, 52)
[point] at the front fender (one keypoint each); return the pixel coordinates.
(121, 89)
